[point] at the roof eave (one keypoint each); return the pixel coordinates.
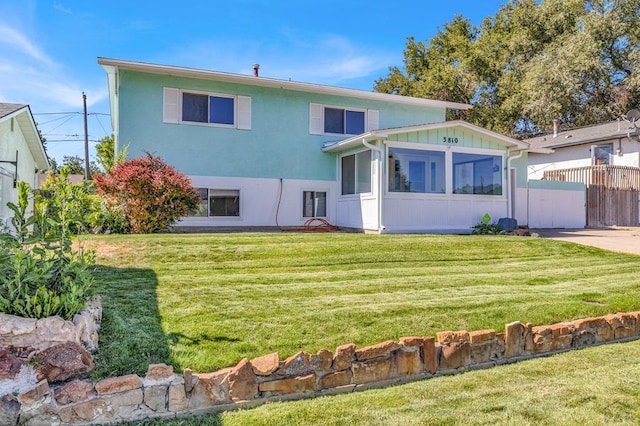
(275, 83)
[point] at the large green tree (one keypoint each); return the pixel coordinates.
(534, 61)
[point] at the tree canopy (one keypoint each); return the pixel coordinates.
(577, 61)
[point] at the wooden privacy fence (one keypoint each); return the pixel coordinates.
(613, 192)
(610, 177)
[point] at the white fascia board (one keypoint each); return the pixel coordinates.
(276, 83)
(28, 127)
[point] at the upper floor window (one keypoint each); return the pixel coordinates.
(601, 154)
(181, 106)
(334, 120)
(208, 109)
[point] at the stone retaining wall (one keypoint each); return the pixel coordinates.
(162, 393)
(40, 334)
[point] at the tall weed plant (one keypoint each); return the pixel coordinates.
(41, 274)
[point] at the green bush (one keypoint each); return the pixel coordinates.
(486, 227)
(41, 274)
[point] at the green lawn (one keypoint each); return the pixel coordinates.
(206, 301)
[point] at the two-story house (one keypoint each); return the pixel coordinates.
(265, 152)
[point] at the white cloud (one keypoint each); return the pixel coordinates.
(319, 58)
(11, 39)
(61, 8)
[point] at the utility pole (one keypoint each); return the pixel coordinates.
(86, 139)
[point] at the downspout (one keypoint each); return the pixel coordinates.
(380, 152)
(509, 201)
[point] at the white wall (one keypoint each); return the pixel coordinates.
(556, 204)
(259, 201)
(10, 141)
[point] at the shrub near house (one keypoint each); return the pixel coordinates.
(152, 194)
(41, 275)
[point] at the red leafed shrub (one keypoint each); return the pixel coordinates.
(153, 194)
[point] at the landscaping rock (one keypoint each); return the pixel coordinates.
(291, 385)
(9, 410)
(52, 330)
(210, 389)
(266, 364)
(16, 331)
(508, 224)
(343, 357)
(296, 365)
(430, 355)
(155, 397)
(455, 355)
(410, 341)
(376, 351)
(9, 364)
(334, 380)
(482, 336)
(446, 337)
(514, 339)
(243, 385)
(408, 362)
(177, 397)
(35, 394)
(118, 384)
(322, 360)
(62, 362)
(373, 370)
(72, 392)
(159, 373)
(83, 412)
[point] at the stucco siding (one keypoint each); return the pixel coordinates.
(279, 144)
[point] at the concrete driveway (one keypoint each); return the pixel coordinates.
(621, 239)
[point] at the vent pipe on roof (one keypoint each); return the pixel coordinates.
(256, 67)
(555, 128)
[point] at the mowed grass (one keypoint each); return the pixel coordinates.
(205, 301)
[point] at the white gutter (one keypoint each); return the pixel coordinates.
(380, 152)
(510, 184)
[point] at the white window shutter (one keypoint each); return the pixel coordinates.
(170, 107)
(316, 119)
(244, 113)
(372, 119)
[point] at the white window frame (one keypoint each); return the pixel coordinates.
(326, 192)
(208, 215)
(172, 108)
(371, 182)
(317, 114)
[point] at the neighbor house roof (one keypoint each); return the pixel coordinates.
(373, 135)
(585, 135)
(24, 118)
(115, 64)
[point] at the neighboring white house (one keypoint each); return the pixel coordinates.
(605, 158)
(616, 143)
(22, 154)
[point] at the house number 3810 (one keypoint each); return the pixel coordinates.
(449, 140)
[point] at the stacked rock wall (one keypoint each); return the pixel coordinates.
(162, 393)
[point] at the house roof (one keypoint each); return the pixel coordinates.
(115, 64)
(373, 135)
(6, 109)
(24, 118)
(585, 135)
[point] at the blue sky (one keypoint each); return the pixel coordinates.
(49, 49)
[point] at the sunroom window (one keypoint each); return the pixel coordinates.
(413, 170)
(477, 174)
